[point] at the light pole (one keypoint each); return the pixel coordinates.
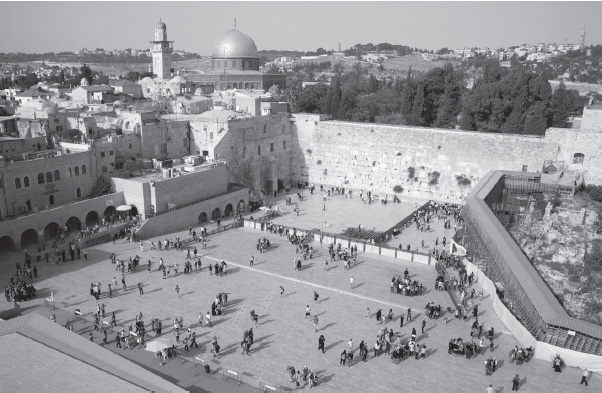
(322, 227)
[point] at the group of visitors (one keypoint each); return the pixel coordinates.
(297, 377)
(19, 291)
(405, 286)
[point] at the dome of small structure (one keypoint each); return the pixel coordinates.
(160, 25)
(84, 82)
(177, 80)
(234, 43)
(146, 79)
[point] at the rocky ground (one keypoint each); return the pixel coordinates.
(556, 242)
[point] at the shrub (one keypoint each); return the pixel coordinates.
(362, 233)
(398, 154)
(326, 171)
(411, 172)
(595, 192)
(463, 181)
(398, 189)
(308, 151)
(319, 162)
(434, 178)
(373, 163)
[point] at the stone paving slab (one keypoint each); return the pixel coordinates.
(284, 337)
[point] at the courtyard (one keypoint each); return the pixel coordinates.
(284, 337)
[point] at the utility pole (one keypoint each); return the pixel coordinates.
(322, 227)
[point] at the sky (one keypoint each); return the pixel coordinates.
(36, 27)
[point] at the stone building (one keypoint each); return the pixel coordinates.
(161, 51)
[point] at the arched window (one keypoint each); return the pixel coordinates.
(40, 178)
(51, 200)
(578, 158)
(28, 204)
(48, 177)
(83, 169)
(76, 171)
(78, 193)
(26, 181)
(69, 173)
(211, 135)
(17, 182)
(57, 175)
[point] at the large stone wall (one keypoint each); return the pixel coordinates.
(377, 157)
(592, 118)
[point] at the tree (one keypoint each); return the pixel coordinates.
(416, 117)
(560, 106)
(408, 95)
(86, 72)
(311, 98)
(448, 107)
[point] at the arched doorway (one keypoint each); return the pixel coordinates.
(74, 224)
(203, 217)
(551, 169)
(51, 231)
(91, 219)
(109, 211)
(29, 238)
(216, 213)
(228, 210)
(240, 208)
(7, 243)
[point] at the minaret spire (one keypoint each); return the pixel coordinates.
(235, 23)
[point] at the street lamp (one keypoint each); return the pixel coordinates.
(322, 228)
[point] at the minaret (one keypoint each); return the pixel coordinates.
(161, 50)
(582, 39)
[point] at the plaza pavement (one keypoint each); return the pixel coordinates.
(284, 337)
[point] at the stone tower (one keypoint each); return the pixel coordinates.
(161, 50)
(582, 38)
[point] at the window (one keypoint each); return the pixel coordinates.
(578, 158)
(524, 168)
(258, 150)
(271, 146)
(58, 128)
(104, 169)
(48, 177)
(283, 128)
(211, 135)
(76, 171)
(40, 178)
(102, 154)
(26, 181)
(78, 193)
(110, 152)
(28, 204)
(264, 128)
(51, 200)
(57, 175)
(244, 151)
(69, 173)
(130, 146)
(83, 169)
(184, 142)
(283, 145)
(17, 183)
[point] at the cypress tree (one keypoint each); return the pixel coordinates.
(417, 114)
(536, 122)
(448, 107)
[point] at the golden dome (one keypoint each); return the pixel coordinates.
(234, 43)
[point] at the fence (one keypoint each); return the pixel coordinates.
(403, 222)
(264, 387)
(231, 374)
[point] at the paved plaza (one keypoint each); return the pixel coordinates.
(284, 337)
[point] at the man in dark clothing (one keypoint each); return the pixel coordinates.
(401, 320)
(118, 341)
(515, 383)
(321, 341)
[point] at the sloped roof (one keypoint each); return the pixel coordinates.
(96, 88)
(55, 336)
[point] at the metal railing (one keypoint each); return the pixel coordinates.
(231, 189)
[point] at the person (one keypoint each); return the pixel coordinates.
(316, 296)
(351, 282)
(490, 389)
(281, 291)
(343, 357)
(315, 324)
(178, 291)
(321, 341)
(515, 383)
(423, 325)
(252, 260)
(307, 312)
(584, 377)
(557, 363)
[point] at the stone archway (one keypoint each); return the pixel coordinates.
(91, 219)
(29, 238)
(240, 208)
(216, 213)
(109, 211)
(228, 210)
(51, 231)
(74, 224)
(7, 243)
(203, 217)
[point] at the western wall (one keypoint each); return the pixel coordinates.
(379, 157)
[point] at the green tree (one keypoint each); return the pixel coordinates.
(448, 107)
(560, 104)
(86, 72)
(416, 117)
(311, 98)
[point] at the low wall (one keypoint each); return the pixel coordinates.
(181, 218)
(543, 351)
(370, 248)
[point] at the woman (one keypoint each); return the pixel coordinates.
(343, 357)
(321, 341)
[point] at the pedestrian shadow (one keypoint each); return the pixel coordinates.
(430, 327)
(262, 346)
(358, 285)
(327, 326)
(324, 299)
(334, 344)
(430, 352)
(154, 290)
(233, 302)
(266, 322)
(500, 363)
(499, 390)
(522, 382)
(324, 378)
(187, 293)
(291, 293)
(317, 315)
(304, 267)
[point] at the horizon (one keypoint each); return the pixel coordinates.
(131, 24)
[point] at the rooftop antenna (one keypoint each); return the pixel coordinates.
(235, 23)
